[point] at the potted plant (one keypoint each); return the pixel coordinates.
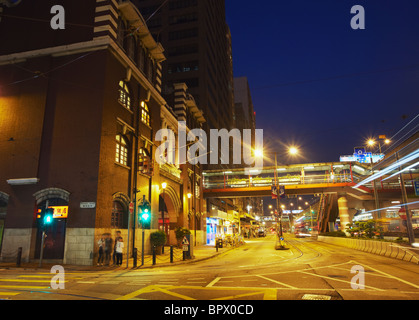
(158, 240)
(180, 232)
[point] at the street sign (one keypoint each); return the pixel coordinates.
(131, 207)
(185, 241)
(274, 192)
(282, 192)
(402, 214)
(359, 151)
(185, 244)
(417, 188)
(87, 205)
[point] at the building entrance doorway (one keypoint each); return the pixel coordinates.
(54, 233)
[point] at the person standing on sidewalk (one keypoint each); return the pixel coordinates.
(119, 250)
(101, 244)
(107, 248)
(117, 238)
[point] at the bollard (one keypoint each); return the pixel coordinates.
(216, 246)
(19, 256)
(134, 255)
(154, 255)
(171, 254)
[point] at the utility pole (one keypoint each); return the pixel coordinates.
(277, 198)
(410, 233)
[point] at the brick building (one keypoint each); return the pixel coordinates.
(78, 107)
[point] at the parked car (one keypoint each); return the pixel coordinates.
(261, 233)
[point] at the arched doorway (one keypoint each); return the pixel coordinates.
(55, 232)
(169, 206)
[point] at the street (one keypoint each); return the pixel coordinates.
(307, 270)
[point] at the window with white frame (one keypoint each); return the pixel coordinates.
(121, 155)
(124, 95)
(145, 113)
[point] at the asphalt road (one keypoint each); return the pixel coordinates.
(307, 270)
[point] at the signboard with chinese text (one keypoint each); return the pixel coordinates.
(59, 212)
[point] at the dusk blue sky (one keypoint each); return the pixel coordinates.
(318, 83)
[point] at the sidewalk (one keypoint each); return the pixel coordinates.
(200, 253)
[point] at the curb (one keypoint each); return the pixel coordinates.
(94, 268)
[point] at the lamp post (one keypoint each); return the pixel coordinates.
(371, 143)
(191, 211)
(164, 186)
(293, 151)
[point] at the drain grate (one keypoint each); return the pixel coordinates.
(316, 297)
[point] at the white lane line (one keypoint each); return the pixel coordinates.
(390, 276)
(277, 282)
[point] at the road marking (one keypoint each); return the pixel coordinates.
(240, 296)
(137, 293)
(86, 282)
(24, 287)
(390, 276)
(249, 280)
(277, 282)
(110, 282)
(213, 282)
(9, 293)
(174, 294)
(46, 277)
(334, 279)
(268, 294)
(25, 280)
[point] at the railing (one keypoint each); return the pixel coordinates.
(235, 182)
(231, 181)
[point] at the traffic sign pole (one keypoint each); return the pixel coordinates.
(41, 255)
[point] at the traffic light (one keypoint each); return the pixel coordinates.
(48, 216)
(45, 217)
(145, 214)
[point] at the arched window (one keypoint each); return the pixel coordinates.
(124, 95)
(117, 218)
(145, 113)
(121, 155)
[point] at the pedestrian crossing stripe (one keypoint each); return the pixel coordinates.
(9, 293)
(23, 287)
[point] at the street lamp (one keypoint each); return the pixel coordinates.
(292, 150)
(382, 138)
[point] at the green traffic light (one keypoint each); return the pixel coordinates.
(145, 216)
(48, 219)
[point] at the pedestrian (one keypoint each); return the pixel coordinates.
(107, 248)
(117, 238)
(101, 244)
(119, 251)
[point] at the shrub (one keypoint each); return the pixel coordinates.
(158, 238)
(367, 229)
(181, 232)
(334, 234)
